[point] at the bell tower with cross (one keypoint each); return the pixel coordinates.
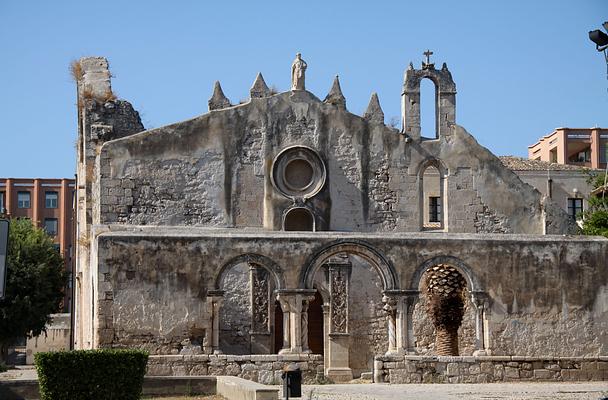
(445, 100)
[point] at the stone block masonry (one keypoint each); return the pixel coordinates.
(488, 369)
(262, 368)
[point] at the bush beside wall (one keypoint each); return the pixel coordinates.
(91, 374)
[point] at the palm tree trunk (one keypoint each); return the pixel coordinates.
(446, 342)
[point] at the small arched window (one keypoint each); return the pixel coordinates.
(299, 219)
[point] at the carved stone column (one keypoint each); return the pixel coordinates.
(260, 309)
(399, 307)
(339, 340)
(216, 298)
(286, 330)
(305, 303)
(390, 311)
(482, 345)
(326, 325)
(292, 302)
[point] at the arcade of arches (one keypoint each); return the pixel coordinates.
(350, 313)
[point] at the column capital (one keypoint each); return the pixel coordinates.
(480, 299)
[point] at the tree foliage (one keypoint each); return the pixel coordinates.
(34, 283)
(595, 218)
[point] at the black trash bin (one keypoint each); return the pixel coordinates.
(292, 381)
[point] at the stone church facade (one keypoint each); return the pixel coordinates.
(288, 229)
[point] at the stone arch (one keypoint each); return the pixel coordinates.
(476, 297)
(431, 162)
(273, 268)
(463, 268)
(383, 266)
(429, 99)
(299, 217)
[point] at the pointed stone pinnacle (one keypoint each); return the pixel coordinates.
(374, 112)
(218, 100)
(335, 95)
(259, 88)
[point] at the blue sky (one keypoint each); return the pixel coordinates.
(522, 68)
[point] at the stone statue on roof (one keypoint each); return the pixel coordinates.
(298, 69)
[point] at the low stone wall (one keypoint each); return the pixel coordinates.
(262, 368)
(484, 369)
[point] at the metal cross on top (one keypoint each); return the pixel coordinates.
(428, 55)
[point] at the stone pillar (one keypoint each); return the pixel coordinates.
(292, 302)
(399, 307)
(305, 302)
(481, 302)
(295, 324)
(326, 325)
(215, 298)
(339, 338)
(286, 329)
(260, 309)
(390, 311)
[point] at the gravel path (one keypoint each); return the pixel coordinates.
(511, 391)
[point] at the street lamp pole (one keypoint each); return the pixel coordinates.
(601, 42)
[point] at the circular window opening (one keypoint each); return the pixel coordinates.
(298, 174)
(299, 219)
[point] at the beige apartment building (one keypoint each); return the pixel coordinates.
(586, 147)
(49, 203)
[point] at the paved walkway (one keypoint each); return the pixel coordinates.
(511, 391)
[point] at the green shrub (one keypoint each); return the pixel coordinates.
(91, 374)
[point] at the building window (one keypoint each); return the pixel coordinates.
(50, 199)
(23, 199)
(50, 226)
(603, 151)
(2, 210)
(434, 209)
(575, 207)
(553, 155)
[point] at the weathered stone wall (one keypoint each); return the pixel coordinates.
(215, 170)
(235, 315)
(535, 309)
(265, 369)
(428, 369)
(101, 117)
(367, 322)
